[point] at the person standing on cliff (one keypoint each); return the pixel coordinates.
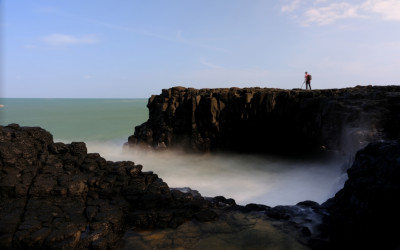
(307, 79)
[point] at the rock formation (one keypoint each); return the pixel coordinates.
(365, 213)
(269, 120)
(57, 196)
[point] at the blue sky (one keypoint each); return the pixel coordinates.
(134, 48)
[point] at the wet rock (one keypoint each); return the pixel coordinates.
(365, 213)
(232, 230)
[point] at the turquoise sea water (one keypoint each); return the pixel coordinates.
(105, 125)
(77, 119)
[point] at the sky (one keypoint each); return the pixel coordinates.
(135, 48)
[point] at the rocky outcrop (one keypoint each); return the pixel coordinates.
(58, 196)
(269, 120)
(365, 213)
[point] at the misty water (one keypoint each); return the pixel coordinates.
(246, 178)
(105, 125)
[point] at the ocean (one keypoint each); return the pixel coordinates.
(105, 125)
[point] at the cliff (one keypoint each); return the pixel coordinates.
(269, 120)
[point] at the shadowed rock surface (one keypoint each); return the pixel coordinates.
(233, 230)
(269, 120)
(57, 196)
(365, 213)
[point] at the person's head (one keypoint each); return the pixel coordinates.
(305, 73)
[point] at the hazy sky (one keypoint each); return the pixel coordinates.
(135, 48)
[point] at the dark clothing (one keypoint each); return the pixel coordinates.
(308, 81)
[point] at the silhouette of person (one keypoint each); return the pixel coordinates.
(307, 78)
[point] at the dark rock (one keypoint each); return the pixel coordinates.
(306, 231)
(291, 121)
(279, 212)
(57, 196)
(206, 215)
(181, 196)
(365, 213)
(308, 203)
(221, 201)
(255, 207)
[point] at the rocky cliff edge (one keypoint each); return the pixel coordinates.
(269, 120)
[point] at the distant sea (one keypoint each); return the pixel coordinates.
(105, 125)
(111, 120)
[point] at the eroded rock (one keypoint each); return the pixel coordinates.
(56, 195)
(269, 120)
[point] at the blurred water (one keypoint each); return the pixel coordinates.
(246, 178)
(105, 124)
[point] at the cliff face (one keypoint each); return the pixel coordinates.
(269, 120)
(364, 214)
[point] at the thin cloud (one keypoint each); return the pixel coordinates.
(322, 12)
(388, 9)
(63, 39)
(175, 38)
(331, 13)
(291, 6)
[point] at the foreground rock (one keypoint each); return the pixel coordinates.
(365, 213)
(269, 120)
(233, 230)
(362, 215)
(57, 196)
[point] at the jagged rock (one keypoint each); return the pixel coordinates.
(269, 120)
(255, 207)
(365, 213)
(56, 195)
